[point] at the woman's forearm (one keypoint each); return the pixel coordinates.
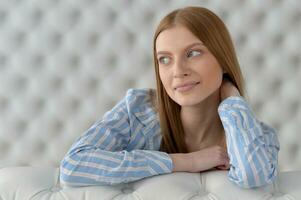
(181, 162)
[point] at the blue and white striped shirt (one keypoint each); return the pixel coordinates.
(124, 145)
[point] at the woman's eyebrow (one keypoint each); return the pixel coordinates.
(187, 47)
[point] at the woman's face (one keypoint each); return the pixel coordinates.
(183, 59)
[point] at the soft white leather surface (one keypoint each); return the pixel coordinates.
(63, 63)
(21, 183)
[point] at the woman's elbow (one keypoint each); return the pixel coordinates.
(66, 174)
(66, 180)
(253, 179)
(73, 175)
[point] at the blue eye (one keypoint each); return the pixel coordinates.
(193, 53)
(164, 60)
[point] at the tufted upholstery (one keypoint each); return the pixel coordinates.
(63, 63)
(20, 183)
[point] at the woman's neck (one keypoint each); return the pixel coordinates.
(202, 123)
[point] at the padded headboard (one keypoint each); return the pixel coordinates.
(64, 63)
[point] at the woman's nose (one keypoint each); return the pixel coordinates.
(181, 69)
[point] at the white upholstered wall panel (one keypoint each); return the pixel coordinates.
(63, 63)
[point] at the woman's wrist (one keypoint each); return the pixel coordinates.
(182, 162)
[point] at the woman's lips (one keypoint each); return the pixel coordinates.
(186, 87)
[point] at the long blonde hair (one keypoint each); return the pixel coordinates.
(210, 29)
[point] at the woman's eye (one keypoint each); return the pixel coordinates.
(193, 53)
(164, 60)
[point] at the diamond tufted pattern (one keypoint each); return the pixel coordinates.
(63, 63)
(20, 183)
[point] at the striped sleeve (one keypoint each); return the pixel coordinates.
(252, 145)
(100, 155)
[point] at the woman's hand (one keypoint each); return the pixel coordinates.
(228, 89)
(210, 157)
(202, 160)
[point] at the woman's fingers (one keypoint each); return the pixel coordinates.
(224, 167)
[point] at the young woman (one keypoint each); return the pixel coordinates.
(196, 120)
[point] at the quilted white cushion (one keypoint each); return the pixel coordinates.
(20, 183)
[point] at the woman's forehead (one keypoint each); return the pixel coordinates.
(177, 37)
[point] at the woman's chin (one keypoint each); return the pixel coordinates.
(188, 101)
